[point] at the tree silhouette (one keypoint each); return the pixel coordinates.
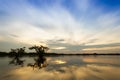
(41, 60)
(18, 50)
(40, 49)
(21, 50)
(17, 53)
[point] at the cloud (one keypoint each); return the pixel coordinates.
(13, 35)
(58, 23)
(103, 48)
(59, 48)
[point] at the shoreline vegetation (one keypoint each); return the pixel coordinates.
(42, 51)
(2, 54)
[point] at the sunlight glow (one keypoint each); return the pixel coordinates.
(103, 48)
(59, 62)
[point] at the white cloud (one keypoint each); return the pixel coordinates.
(35, 25)
(58, 48)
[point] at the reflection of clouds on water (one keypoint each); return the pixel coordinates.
(103, 60)
(105, 72)
(59, 62)
(64, 68)
(88, 72)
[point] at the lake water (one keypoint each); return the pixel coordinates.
(62, 68)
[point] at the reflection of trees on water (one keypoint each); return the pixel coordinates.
(17, 61)
(17, 54)
(40, 61)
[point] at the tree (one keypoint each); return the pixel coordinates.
(41, 60)
(39, 49)
(18, 50)
(21, 50)
(17, 54)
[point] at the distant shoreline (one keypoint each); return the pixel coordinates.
(2, 54)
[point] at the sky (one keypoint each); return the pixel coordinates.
(65, 26)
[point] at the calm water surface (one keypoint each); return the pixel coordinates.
(62, 68)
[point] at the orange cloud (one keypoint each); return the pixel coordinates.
(102, 48)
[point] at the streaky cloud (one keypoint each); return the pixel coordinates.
(74, 24)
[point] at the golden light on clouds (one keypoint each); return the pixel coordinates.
(102, 48)
(59, 48)
(88, 72)
(102, 60)
(59, 62)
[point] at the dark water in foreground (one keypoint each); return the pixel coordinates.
(63, 68)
